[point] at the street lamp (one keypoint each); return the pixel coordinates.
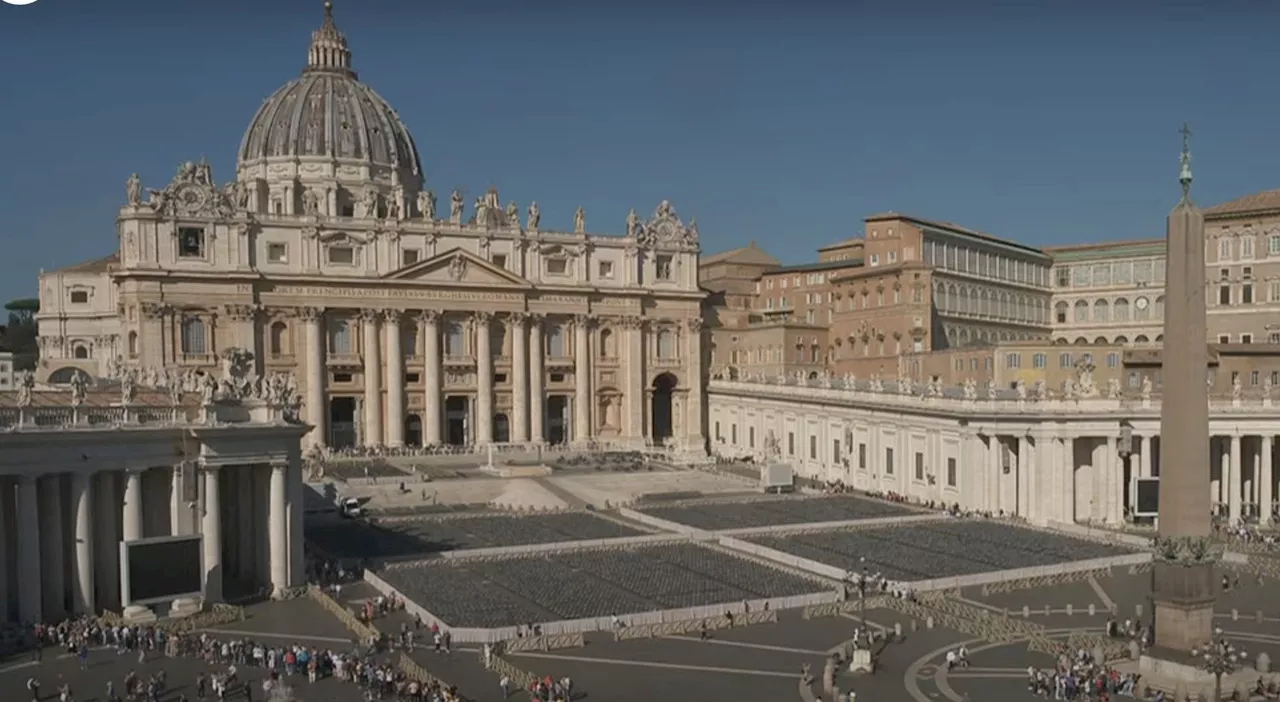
(1218, 658)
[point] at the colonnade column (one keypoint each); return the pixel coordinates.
(297, 555)
(30, 606)
(211, 528)
(82, 499)
(582, 378)
(635, 378)
(431, 369)
(484, 379)
(1264, 491)
(313, 343)
(1021, 507)
(372, 378)
(519, 421)
(693, 413)
(1115, 482)
(51, 542)
(1233, 489)
(107, 540)
(278, 528)
(395, 378)
(132, 531)
(537, 379)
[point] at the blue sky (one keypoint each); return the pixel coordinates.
(785, 123)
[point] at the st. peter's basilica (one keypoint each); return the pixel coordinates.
(403, 321)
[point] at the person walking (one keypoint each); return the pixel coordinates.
(33, 686)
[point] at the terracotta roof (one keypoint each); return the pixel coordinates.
(97, 265)
(1265, 201)
(743, 254)
(953, 227)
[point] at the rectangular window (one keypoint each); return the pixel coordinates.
(1224, 338)
(751, 437)
(888, 461)
(1253, 377)
(1064, 360)
(919, 466)
(342, 255)
(277, 253)
(791, 443)
(1246, 294)
(1113, 360)
(408, 257)
(951, 472)
(1246, 338)
(1039, 360)
(190, 242)
(557, 266)
(500, 260)
(1224, 294)
(341, 377)
(717, 432)
(663, 268)
(835, 450)
(862, 456)
(1013, 360)
(79, 297)
(606, 269)
(733, 434)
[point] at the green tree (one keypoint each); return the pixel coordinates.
(21, 335)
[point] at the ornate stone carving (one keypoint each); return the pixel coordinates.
(455, 207)
(128, 386)
(79, 388)
(310, 314)
(192, 193)
(26, 383)
(1040, 391)
(427, 205)
(991, 389)
(369, 201)
(241, 313)
(391, 316)
(1113, 388)
(154, 310)
(483, 317)
(772, 449)
(906, 386)
(517, 319)
(1186, 551)
(429, 316)
(580, 221)
(133, 190)
(1237, 388)
(970, 389)
(694, 324)
(457, 268)
(1085, 385)
(369, 315)
(535, 215)
(632, 322)
(310, 202)
(665, 228)
(584, 320)
(1020, 389)
(1146, 388)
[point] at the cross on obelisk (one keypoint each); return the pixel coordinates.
(1183, 574)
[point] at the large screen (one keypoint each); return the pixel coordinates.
(163, 569)
(1148, 502)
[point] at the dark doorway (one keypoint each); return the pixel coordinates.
(557, 419)
(412, 430)
(501, 428)
(663, 386)
(456, 420)
(342, 422)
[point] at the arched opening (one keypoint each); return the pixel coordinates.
(501, 428)
(663, 389)
(80, 351)
(276, 347)
(63, 376)
(412, 430)
(813, 375)
(133, 343)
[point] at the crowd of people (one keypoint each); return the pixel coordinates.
(1082, 677)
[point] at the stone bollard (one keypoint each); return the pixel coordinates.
(1135, 651)
(1070, 610)
(897, 630)
(1092, 610)
(928, 623)
(1262, 663)
(1026, 612)
(1235, 614)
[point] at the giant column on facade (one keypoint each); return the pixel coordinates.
(313, 346)
(395, 378)
(372, 378)
(519, 378)
(484, 378)
(431, 371)
(1183, 577)
(582, 377)
(537, 380)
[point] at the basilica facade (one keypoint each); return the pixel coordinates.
(404, 321)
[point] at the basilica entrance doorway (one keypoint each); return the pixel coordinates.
(342, 422)
(557, 419)
(501, 428)
(457, 420)
(663, 387)
(412, 430)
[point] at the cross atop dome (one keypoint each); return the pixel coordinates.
(329, 50)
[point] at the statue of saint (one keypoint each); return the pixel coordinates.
(133, 190)
(427, 205)
(369, 203)
(535, 215)
(310, 202)
(513, 215)
(455, 207)
(580, 221)
(633, 223)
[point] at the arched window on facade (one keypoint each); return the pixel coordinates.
(277, 339)
(609, 346)
(133, 343)
(193, 336)
(80, 351)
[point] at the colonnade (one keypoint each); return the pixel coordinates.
(60, 533)
(1242, 482)
(623, 391)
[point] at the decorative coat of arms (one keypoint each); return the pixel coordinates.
(192, 193)
(458, 268)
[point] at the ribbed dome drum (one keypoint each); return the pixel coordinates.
(328, 113)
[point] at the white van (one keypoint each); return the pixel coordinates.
(350, 508)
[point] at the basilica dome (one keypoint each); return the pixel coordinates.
(328, 115)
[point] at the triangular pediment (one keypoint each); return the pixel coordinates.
(459, 267)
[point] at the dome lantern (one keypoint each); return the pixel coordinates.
(329, 51)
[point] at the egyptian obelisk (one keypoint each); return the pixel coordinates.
(1183, 576)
